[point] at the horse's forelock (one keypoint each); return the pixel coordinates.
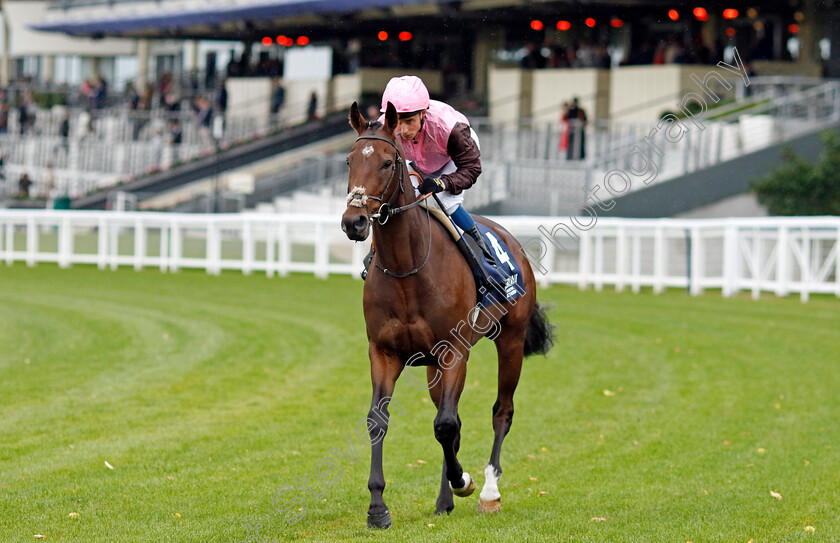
(374, 126)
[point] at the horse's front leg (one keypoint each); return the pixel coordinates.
(448, 434)
(385, 369)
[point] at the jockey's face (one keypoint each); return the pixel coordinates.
(409, 127)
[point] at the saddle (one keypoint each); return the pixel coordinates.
(505, 273)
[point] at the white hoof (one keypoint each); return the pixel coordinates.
(467, 487)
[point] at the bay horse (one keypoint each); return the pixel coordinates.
(418, 297)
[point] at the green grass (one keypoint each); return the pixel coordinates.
(207, 394)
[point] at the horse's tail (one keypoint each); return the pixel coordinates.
(540, 335)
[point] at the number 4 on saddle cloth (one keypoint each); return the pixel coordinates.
(505, 276)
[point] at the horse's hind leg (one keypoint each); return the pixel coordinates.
(509, 346)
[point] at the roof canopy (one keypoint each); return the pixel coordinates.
(204, 20)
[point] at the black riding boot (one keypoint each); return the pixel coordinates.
(366, 261)
(476, 235)
(472, 260)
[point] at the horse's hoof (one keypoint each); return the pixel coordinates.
(489, 506)
(444, 507)
(467, 489)
(381, 521)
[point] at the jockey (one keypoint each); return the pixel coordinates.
(443, 148)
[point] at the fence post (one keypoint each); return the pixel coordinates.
(659, 259)
(697, 264)
(176, 244)
(322, 252)
(636, 272)
(599, 261)
(10, 241)
(139, 243)
(583, 259)
(65, 236)
(114, 244)
(620, 258)
(213, 250)
(247, 247)
(757, 263)
(270, 242)
(806, 264)
(356, 257)
(284, 250)
(837, 262)
(730, 256)
(164, 246)
(102, 243)
(782, 262)
(31, 241)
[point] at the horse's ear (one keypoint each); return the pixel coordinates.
(356, 120)
(391, 118)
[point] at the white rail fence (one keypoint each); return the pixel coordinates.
(781, 255)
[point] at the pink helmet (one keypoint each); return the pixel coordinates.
(407, 93)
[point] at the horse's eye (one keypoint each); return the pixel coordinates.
(387, 164)
(347, 161)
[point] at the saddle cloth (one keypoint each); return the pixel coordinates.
(506, 274)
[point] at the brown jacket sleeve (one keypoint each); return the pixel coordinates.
(467, 158)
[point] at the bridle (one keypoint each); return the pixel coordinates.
(386, 209)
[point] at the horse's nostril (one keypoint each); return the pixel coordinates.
(361, 222)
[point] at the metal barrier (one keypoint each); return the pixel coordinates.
(535, 173)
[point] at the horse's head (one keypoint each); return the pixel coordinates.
(375, 173)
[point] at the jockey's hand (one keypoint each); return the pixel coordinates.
(432, 184)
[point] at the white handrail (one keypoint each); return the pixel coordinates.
(780, 255)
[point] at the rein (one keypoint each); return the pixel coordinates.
(386, 209)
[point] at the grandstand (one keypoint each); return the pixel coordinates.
(767, 89)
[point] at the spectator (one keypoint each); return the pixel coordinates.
(133, 96)
(204, 119)
(643, 55)
(222, 98)
(85, 124)
(23, 186)
(601, 58)
(176, 138)
(26, 113)
(4, 118)
(533, 58)
(165, 86)
(100, 92)
(172, 105)
(156, 148)
(49, 181)
(312, 109)
(659, 54)
(575, 116)
(176, 134)
(64, 132)
(278, 98)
